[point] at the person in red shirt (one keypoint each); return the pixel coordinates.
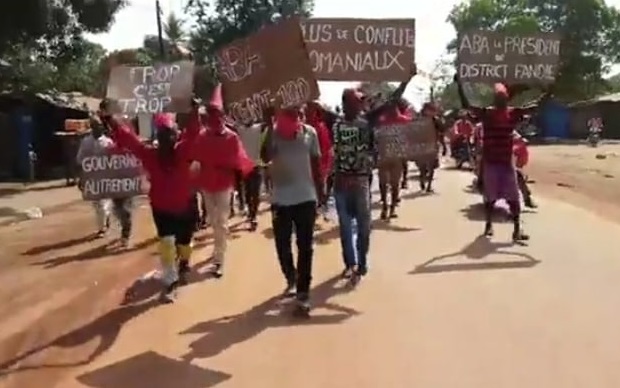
(427, 169)
(522, 157)
(219, 159)
(461, 139)
(171, 190)
(390, 170)
(499, 177)
(315, 113)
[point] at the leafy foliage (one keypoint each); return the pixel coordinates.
(44, 45)
(590, 31)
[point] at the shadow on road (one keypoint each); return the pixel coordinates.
(59, 245)
(478, 249)
(222, 333)
(98, 252)
(106, 328)
(152, 370)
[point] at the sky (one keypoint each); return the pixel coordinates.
(432, 31)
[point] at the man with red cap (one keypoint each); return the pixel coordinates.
(354, 159)
(499, 177)
(219, 156)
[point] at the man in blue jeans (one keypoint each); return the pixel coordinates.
(354, 155)
(353, 164)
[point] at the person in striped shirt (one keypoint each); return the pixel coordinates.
(498, 169)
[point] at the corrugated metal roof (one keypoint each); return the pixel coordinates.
(614, 97)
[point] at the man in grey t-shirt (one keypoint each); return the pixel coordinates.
(294, 156)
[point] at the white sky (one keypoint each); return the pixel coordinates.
(432, 31)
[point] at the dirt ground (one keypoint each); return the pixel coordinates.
(61, 289)
(588, 177)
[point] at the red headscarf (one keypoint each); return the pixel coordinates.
(288, 123)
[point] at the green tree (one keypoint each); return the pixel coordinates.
(614, 83)
(174, 36)
(589, 28)
(43, 39)
(220, 22)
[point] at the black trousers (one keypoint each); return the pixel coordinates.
(523, 187)
(181, 226)
(122, 208)
(251, 192)
(301, 217)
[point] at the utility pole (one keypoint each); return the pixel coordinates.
(160, 34)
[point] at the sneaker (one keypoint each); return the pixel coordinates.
(124, 243)
(253, 225)
(217, 271)
(302, 308)
(530, 204)
(184, 271)
(169, 293)
(519, 236)
(362, 271)
(290, 290)
(347, 273)
(393, 212)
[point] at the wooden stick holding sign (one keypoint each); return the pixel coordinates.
(415, 140)
(165, 87)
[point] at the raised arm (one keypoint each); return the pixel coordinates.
(465, 103)
(266, 149)
(125, 137)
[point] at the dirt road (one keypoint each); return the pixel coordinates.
(441, 307)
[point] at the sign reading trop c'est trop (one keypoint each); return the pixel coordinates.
(165, 87)
(485, 56)
(360, 49)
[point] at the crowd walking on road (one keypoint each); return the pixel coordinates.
(307, 160)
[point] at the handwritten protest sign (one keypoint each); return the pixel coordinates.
(485, 56)
(110, 175)
(270, 65)
(166, 87)
(373, 50)
(415, 140)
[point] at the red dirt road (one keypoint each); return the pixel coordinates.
(440, 308)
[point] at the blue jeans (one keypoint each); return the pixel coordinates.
(353, 204)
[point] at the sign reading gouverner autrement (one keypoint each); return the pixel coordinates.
(111, 174)
(485, 56)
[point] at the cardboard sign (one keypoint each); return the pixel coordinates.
(484, 56)
(374, 50)
(271, 65)
(111, 174)
(165, 87)
(415, 140)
